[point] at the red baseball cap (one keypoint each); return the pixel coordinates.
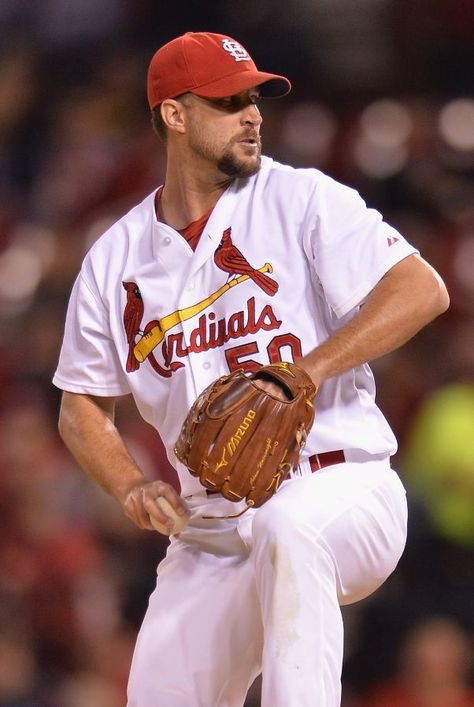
(209, 65)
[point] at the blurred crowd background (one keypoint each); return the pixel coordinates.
(382, 101)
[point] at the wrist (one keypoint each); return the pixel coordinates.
(123, 490)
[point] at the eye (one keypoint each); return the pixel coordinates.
(242, 100)
(229, 103)
(233, 104)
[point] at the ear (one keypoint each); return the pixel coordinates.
(173, 115)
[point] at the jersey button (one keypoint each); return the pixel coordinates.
(167, 240)
(190, 286)
(206, 365)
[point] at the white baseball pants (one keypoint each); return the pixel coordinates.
(262, 593)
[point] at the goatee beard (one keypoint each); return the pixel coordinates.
(235, 168)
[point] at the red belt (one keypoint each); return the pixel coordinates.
(319, 461)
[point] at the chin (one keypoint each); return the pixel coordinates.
(235, 167)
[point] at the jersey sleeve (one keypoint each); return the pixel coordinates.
(350, 245)
(88, 361)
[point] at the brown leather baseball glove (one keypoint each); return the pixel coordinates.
(243, 441)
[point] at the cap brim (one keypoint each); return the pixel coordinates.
(271, 85)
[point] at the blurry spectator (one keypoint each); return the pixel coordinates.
(434, 671)
(19, 676)
(439, 461)
(19, 147)
(88, 689)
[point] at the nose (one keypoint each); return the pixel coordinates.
(251, 115)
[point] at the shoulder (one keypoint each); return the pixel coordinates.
(128, 237)
(128, 228)
(307, 182)
(277, 173)
(280, 187)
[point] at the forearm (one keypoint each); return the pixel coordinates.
(402, 303)
(86, 425)
(87, 428)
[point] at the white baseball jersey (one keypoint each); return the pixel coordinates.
(286, 258)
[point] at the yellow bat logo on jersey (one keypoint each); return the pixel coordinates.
(229, 259)
(155, 336)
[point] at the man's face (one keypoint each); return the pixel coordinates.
(226, 132)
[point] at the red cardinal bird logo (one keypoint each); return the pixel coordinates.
(229, 258)
(132, 318)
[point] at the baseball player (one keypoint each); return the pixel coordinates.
(235, 262)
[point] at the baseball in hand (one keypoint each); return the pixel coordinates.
(179, 522)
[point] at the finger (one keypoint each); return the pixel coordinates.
(155, 511)
(277, 391)
(135, 510)
(167, 491)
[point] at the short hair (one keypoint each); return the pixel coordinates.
(158, 123)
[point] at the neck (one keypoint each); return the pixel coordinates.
(189, 192)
